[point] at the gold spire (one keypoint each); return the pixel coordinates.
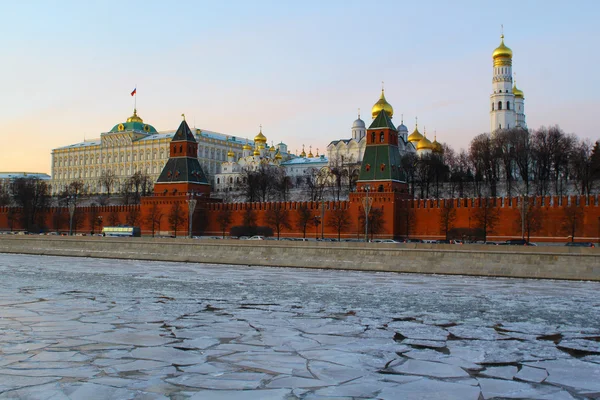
(382, 104)
(436, 146)
(310, 154)
(135, 117)
(303, 154)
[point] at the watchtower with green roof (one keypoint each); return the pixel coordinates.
(381, 170)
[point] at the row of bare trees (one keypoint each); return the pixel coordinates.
(280, 219)
(510, 162)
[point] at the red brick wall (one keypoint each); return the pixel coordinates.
(426, 216)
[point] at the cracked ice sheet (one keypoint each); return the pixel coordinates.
(309, 327)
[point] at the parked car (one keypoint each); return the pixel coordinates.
(518, 242)
(256, 237)
(413, 241)
(491, 243)
(580, 244)
(443, 241)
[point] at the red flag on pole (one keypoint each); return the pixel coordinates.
(134, 91)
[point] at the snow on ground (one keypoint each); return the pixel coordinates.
(91, 328)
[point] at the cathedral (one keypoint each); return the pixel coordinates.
(507, 102)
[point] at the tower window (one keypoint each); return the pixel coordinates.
(372, 137)
(492, 106)
(508, 105)
(499, 105)
(381, 136)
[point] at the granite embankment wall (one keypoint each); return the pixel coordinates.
(476, 260)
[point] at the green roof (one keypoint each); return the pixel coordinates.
(133, 126)
(381, 163)
(184, 133)
(383, 120)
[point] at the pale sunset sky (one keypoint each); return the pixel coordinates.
(299, 68)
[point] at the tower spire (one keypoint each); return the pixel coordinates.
(359, 113)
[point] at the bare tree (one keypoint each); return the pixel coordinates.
(108, 180)
(278, 218)
(447, 217)
(304, 218)
(314, 181)
(5, 198)
(486, 217)
(176, 217)
(113, 218)
(375, 219)
(408, 218)
(249, 218)
(530, 218)
(133, 216)
(32, 195)
(153, 217)
(93, 220)
(339, 220)
(224, 218)
(581, 166)
(573, 220)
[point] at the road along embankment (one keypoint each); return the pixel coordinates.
(474, 260)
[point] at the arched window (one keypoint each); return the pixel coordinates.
(372, 137)
(508, 105)
(381, 137)
(499, 105)
(380, 188)
(492, 106)
(218, 180)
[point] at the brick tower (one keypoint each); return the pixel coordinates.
(182, 173)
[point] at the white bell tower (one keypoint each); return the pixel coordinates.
(502, 99)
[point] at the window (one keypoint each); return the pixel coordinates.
(499, 105)
(372, 137)
(492, 106)
(381, 137)
(508, 105)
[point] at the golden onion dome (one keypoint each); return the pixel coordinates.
(415, 136)
(256, 152)
(230, 153)
(260, 138)
(310, 154)
(278, 156)
(303, 154)
(246, 147)
(502, 51)
(135, 117)
(382, 104)
(517, 92)
(424, 144)
(272, 149)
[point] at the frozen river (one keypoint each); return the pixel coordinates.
(75, 328)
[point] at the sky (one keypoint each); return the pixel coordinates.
(301, 69)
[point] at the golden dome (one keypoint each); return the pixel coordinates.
(424, 144)
(135, 117)
(517, 92)
(278, 156)
(303, 154)
(502, 51)
(310, 154)
(260, 138)
(382, 104)
(272, 149)
(246, 147)
(256, 152)
(415, 136)
(230, 153)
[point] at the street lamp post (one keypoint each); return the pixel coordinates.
(522, 217)
(367, 205)
(71, 205)
(322, 215)
(191, 207)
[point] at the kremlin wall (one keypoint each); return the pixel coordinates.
(424, 217)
